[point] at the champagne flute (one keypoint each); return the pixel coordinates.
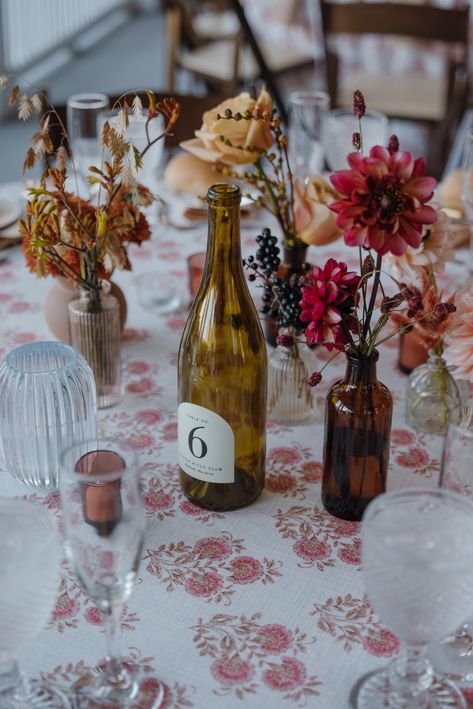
(417, 557)
(467, 188)
(29, 562)
(454, 654)
(104, 528)
(306, 112)
(83, 114)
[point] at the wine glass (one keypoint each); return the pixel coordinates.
(29, 562)
(104, 528)
(417, 558)
(83, 113)
(338, 127)
(306, 112)
(467, 187)
(454, 654)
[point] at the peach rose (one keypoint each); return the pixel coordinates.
(245, 139)
(315, 222)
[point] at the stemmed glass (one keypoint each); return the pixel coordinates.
(29, 577)
(454, 654)
(306, 112)
(467, 187)
(417, 558)
(104, 528)
(83, 114)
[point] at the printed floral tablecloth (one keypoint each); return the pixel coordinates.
(263, 607)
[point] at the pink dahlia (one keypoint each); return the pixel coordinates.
(328, 298)
(383, 205)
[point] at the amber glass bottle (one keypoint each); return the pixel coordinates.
(222, 373)
(358, 412)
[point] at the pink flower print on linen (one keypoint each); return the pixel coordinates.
(352, 621)
(245, 569)
(283, 456)
(401, 437)
(150, 417)
(145, 385)
(231, 670)
(284, 482)
(203, 583)
(190, 509)
(199, 514)
(68, 605)
(157, 499)
(169, 431)
(317, 538)
(141, 441)
(211, 568)
(417, 459)
(93, 616)
(212, 548)
(351, 553)
(248, 663)
(312, 549)
(381, 643)
(138, 367)
(287, 675)
(312, 471)
(274, 638)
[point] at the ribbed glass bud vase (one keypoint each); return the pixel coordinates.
(290, 398)
(94, 323)
(47, 402)
(434, 397)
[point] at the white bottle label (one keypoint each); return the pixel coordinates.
(206, 444)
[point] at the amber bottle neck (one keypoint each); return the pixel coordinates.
(223, 246)
(361, 370)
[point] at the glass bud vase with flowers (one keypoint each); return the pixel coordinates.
(65, 235)
(383, 209)
(243, 131)
(289, 398)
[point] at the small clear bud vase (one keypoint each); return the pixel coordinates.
(94, 324)
(290, 399)
(433, 396)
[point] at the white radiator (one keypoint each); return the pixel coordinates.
(32, 28)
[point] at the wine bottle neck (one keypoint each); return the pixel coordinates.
(223, 248)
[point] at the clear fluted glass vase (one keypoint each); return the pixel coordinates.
(434, 397)
(47, 402)
(290, 398)
(94, 324)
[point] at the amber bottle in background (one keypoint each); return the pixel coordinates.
(292, 263)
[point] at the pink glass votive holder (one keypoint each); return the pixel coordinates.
(195, 265)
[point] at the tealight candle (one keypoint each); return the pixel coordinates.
(101, 500)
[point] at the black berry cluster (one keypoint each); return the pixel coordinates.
(280, 297)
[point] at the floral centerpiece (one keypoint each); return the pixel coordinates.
(383, 209)
(66, 235)
(243, 137)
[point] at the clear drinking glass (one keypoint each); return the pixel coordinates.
(417, 558)
(47, 401)
(467, 188)
(104, 528)
(338, 127)
(83, 113)
(29, 572)
(306, 112)
(454, 654)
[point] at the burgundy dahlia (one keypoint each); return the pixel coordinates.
(383, 203)
(328, 300)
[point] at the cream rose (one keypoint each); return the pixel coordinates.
(245, 139)
(315, 222)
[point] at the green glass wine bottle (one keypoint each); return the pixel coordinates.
(222, 373)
